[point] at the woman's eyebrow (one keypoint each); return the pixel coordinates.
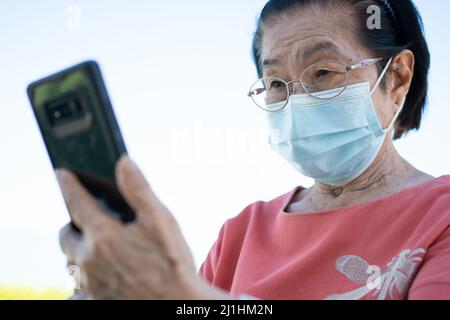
(307, 53)
(320, 46)
(270, 62)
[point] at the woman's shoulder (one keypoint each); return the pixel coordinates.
(428, 204)
(441, 181)
(437, 193)
(430, 196)
(434, 187)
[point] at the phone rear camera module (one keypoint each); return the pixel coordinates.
(64, 110)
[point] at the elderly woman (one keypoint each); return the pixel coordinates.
(337, 86)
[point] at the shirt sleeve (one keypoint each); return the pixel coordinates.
(208, 268)
(432, 281)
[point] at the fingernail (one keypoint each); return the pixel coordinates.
(130, 163)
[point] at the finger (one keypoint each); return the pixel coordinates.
(134, 187)
(71, 243)
(82, 206)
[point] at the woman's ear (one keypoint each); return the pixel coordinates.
(400, 76)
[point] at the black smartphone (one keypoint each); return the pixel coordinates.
(80, 131)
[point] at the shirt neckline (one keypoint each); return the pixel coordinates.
(354, 207)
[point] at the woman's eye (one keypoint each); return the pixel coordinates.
(276, 85)
(322, 73)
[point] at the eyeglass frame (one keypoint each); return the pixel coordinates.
(364, 63)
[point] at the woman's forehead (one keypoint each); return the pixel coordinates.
(305, 36)
(308, 49)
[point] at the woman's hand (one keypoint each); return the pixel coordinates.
(147, 259)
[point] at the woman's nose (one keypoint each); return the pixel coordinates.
(295, 87)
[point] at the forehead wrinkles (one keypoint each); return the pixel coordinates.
(280, 42)
(285, 42)
(291, 29)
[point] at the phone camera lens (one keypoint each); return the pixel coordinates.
(64, 110)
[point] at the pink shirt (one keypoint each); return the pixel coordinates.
(397, 247)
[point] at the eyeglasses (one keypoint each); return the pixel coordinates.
(272, 94)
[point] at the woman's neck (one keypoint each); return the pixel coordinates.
(388, 174)
(387, 168)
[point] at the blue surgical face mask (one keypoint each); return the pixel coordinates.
(332, 141)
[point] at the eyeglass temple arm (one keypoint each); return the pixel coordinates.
(255, 92)
(364, 63)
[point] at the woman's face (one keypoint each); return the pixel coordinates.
(299, 40)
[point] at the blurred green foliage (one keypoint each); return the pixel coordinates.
(8, 292)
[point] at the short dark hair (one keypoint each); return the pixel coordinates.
(401, 28)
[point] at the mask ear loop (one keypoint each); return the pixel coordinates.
(397, 114)
(381, 76)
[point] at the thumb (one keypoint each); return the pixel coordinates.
(134, 187)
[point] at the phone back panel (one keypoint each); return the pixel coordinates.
(74, 123)
(80, 131)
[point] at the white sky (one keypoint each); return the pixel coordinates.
(177, 73)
